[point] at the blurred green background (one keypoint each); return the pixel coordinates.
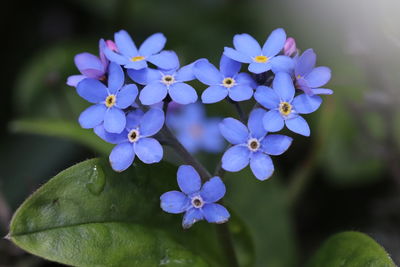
(345, 177)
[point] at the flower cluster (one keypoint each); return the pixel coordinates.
(137, 94)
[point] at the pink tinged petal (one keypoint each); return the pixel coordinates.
(182, 93)
(276, 144)
(148, 150)
(122, 156)
(153, 93)
(114, 57)
(302, 84)
(236, 158)
(174, 202)
(116, 77)
(255, 123)
(275, 42)
(273, 121)
(73, 80)
(282, 63)
(298, 125)
(289, 49)
(237, 56)
(213, 190)
(85, 61)
(192, 216)
(318, 77)
(241, 92)
(153, 44)
(321, 91)
(126, 96)
(215, 213)
(305, 63)
(246, 44)
(92, 116)
(214, 94)
(125, 44)
(92, 90)
(261, 165)
(258, 68)
(165, 60)
(102, 47)
(92, 73)
(151, 122)
(207, 73)
(111, 45)
(267, 97)
(305, 104)
(283, 86)
(144, 76)
(228, 66)
(234, 131)
(114, 120)
(188, 179)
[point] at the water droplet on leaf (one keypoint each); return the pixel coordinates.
(97, 181)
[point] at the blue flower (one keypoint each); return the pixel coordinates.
(135, 139)
(198, 202)
(90, 66)
(194, 130)
(284, 107)
(161, 82)
(109, 101)
(251, 144)
(248, 50)
(308, 77)
(227, 81)
(132, 58)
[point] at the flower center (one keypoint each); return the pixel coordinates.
(285, 108)
(253, 144)
(110, 101)
(133, 136)
(137, 58)
(168, 79)
(260, 59)
(228, 82)
(196, 131)
(197, 202)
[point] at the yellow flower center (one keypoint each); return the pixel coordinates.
(299, 77)
(285, 108)
(261, 59)
(228, 82)
(168, 79)
(110, 101)
(133, 135)
(137, 58)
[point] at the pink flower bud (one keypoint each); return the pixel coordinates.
(111, 45)
(290, 47)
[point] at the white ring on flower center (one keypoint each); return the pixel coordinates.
(110, 101)
(253, 144)
(133, 135)
(228, 82)
(197, 202)
(168, 79)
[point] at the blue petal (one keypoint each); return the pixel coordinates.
(255, 124)
(165, 60)
(182, 93)
(191, 144)
(258, 68)
(192, 216)
(212, 140)
(215, 213)
(275, 42)
(245, 78)
(273, 121)
(282, 63)
(213, 190)
(114, 57)
(111, 138)
(214, 94)
(234, 131)
(114, 120)
(116, 77)
(92, 116)
(298, 125)
(276, 144)
(122, 156)
(318, 77)
(305, 63)
(174, 202)
(188, 179)
(237, 56)
(267, 97)
(321, 91)
(283, 86)
(151, 122)
(126, 96)
(136, 65)
(144, 76)
(153, 44)
(228, 66)
(207, 73)
(92, 90)
(261, 165)
(85, 61)
(133, 119)
(125, 44)
(185, 73)
(236, 158)
(153, 93)
(305, 104)
(148, 150)
(241, 92)
(73, 80)
(246, 44)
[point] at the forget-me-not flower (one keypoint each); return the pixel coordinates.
(248, 50)
(109, 101)
(196, 201)
(223, 82)
(252, 145)
(283, 107)
(132, 58)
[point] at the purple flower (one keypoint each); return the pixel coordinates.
(135, 139)
(284, 107)
(223, 82)
(251, 145)
(248, 50)
(198, 202)
(194, 130)
(159, 83)
(308, 77)
(109, 101)
(132, 58)
(90, 66)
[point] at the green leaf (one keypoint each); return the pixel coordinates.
(352, 249)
